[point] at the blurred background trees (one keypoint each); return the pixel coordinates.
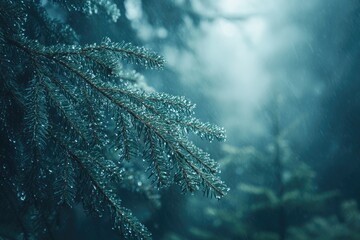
(305, 57)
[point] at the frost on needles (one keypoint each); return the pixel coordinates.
(76, 123)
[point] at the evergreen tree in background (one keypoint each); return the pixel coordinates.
(274, 191)
(77, 125)
(344, 226)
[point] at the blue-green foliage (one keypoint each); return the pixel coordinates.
(79, 123)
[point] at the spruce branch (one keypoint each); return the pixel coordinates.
(89, 124)
(109, 51)
(65, 183)
(128, 225)
(36, 115)
(159, 167)
(128, 144)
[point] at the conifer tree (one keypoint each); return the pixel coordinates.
(345, 225)
(274, 191)
(75, 123)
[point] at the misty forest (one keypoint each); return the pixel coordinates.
(179, 119)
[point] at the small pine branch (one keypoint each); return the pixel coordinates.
(90, 7)
(107, 54)
(160, 166)
(36, 116)
(11, 22)
(65, 183)
(102, 194)
(128, 148)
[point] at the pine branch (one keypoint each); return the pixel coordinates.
(123, 219)
(65, 185)
(109, 52)
(85, 114)
(159, 167)
(68, 111)
(129, 147)
(36, 115)
(92, 7)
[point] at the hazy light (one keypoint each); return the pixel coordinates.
(246, 61)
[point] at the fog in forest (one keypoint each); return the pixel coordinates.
(290, 64)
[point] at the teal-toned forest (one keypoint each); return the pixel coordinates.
(179, 119)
